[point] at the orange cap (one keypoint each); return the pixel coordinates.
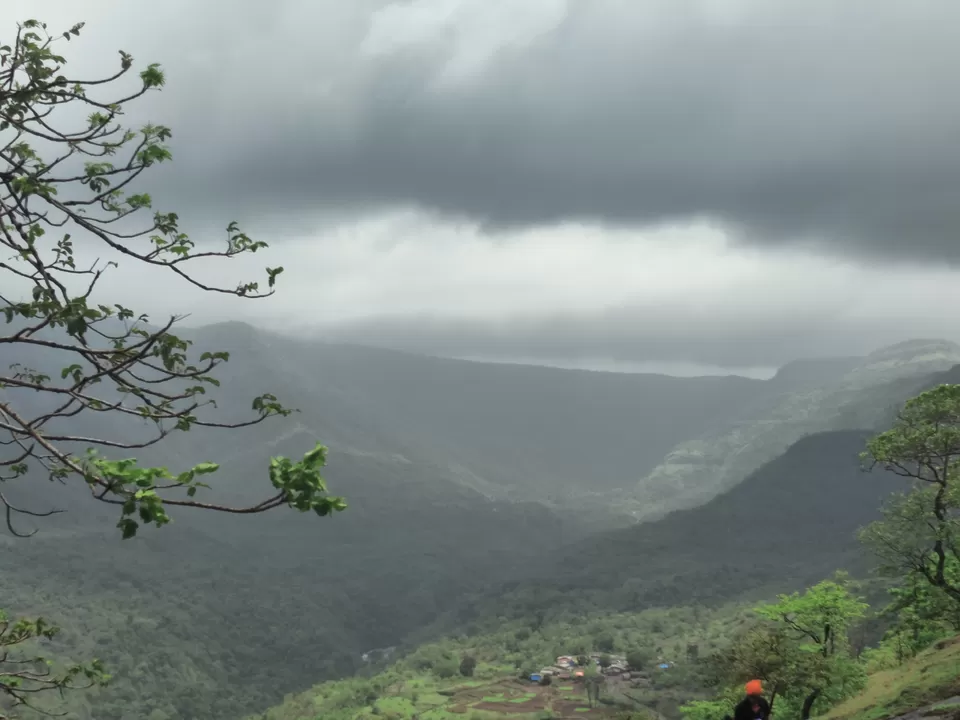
(754, 687)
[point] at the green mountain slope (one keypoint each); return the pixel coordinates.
(842, 395)
(508, 431)
(792, 522)
(461, 477)
(249, 609)
(565, 438)
(927, 686)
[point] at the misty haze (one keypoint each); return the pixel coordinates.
(436, 359)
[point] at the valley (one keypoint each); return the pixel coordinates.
(460, 478)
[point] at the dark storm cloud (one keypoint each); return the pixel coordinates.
(796, 121)
(822, 122)
(832, 123)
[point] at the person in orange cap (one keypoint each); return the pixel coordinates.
(754, 706)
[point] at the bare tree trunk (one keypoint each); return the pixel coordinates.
(808, 704)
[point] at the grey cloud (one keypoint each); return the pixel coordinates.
(795, 122)
(641, 335)
(818, 122)
(821, 122)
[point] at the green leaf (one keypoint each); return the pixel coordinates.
(128, 527)
(74, 370)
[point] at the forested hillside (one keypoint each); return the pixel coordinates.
(790, 523)
(210, 617)
(430, 529)
(565, 438)
(818, 650)
(506, 430)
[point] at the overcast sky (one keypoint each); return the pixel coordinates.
(725, 182)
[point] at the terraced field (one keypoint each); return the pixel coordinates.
(515, 699)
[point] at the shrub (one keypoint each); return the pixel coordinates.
(467, 665)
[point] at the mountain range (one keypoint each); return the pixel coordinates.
(474, 488)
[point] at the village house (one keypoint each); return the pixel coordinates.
(567, 667)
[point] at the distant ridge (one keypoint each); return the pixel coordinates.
(806, 397)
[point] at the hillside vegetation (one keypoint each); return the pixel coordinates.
(426, 537)
(415, 557)
(787, 525)
(929, 682)
(428, 682)
(819, 651)
(251, 609)
(803, 648)
(505, 430)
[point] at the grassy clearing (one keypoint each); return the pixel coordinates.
(932, 676)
